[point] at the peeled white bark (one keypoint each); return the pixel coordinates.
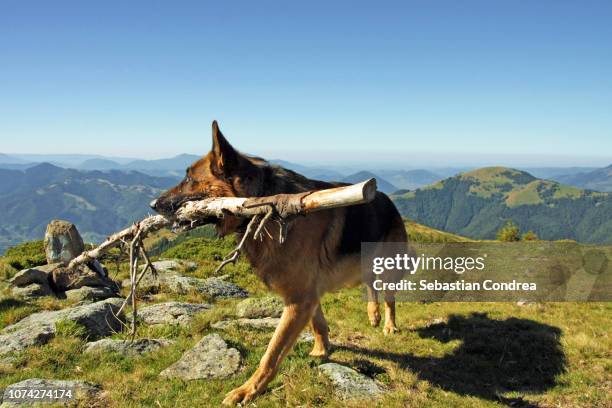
(283, 204)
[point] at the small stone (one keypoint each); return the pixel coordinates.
(83, 391)
(269, 306)
(171, 313)
(62, 242)
(209, 358)
(126, 347)
(349, 384)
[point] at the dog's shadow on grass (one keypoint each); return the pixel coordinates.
(494, 357)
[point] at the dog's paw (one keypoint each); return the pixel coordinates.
(388, 329)
(240, 395)
(319, 352)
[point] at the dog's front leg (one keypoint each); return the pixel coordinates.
(294, 319)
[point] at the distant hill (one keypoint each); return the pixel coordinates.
(552, 173)
(598, 180)
(180, 162)
(315, 173)
(410, 179)
(99, 164)
(98, 202)
(8, 159)
(477, 203)
(382, 184)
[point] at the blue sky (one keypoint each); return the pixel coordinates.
(446, 82)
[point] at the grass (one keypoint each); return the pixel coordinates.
(526, 195)
(446, 354)
(419, 233)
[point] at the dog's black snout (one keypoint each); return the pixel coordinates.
(153, 204)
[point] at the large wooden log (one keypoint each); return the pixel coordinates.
(283, 205)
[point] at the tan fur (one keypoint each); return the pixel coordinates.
(306, 266)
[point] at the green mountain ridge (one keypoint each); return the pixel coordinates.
(99, 203)
(477, 203)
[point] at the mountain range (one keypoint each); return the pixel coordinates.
(598, 179)
(99, 203)
(398, 179)
(477, 203)
(102, 194)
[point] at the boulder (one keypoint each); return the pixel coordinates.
(39, 328)
(62, 242)
(31, 291)
(126, 347)
(269, 306)
(349, 384)
(88, 293)
(171, 313)
(209, 358)
(81, 392)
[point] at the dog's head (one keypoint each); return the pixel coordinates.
(223, 172)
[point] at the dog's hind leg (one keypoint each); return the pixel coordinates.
(294, 319)
(373, 313)
(390, 326)
(320, 331)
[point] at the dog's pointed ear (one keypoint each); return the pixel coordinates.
(226, 158)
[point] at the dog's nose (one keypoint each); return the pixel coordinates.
(153, 203)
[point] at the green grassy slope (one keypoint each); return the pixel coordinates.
(446, 354)
(477, 203)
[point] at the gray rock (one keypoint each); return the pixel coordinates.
(217, 287)
(32, 291)
(126, 347)
(174, 283)
(62, 242)
(28, 276)
(166, 273)
(171, 313)
(269, 306)
(349, 384)
(173, 265)
(209, 358)
(88, 293)
(211, 287)
(39, 328)
(82, 391)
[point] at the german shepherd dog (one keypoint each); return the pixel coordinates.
(320, 254)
